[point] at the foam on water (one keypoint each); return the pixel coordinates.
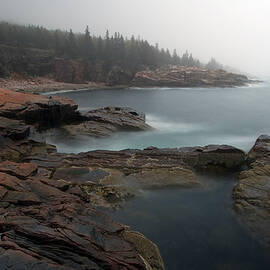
(164, 125)
(152, 88)
(64, 91)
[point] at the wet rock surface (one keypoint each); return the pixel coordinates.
(47, 201)
(132, 160)
(108, 178)
(252, 193)
(44, 227)
(179, 76)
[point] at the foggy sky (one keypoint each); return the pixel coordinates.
(235, 32)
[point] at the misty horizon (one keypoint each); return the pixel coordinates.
(234, 33)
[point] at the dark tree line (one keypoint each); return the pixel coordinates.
(132, 53)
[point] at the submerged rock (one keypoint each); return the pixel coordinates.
(252, 193)
(180, 76)
(180, 176)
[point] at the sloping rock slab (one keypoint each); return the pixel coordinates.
(13, 129)
(22, 170)
(130, 161)
(42, 227)
(151, 167)
(138, 161)
(89, 128)
(105, 121)
(109, 178)
(16, 151)
(36, 109)
(120, 117)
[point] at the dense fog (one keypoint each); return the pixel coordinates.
(235, 32)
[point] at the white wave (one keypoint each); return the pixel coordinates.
(86, 109)
(167, 126)
(164, 88)
(254, 85)
(65, 91)
(152, 88)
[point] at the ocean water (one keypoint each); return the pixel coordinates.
(194, 228)
(181, 117)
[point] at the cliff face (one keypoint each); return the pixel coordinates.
(178, 76)
(26, 61)
(78, 71)
(36, 62)
(119, 76)
(69, 71)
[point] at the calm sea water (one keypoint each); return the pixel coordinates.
(194, 228)
(182, 117)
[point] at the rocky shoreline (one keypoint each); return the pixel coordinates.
(172, 76)
(51, 223)
(252, 194)
(48, 199)
(40, 85)
(177, 76)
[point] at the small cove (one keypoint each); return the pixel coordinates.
(194, 228)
